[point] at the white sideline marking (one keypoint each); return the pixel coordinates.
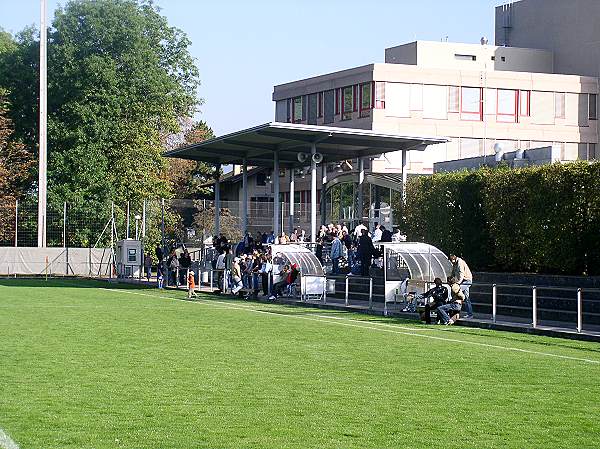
(370, 326)
(6, 442)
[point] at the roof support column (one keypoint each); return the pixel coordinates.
(292, 195)
(361, 182)
(323, 194)
(275, 179)
(404, 177)
(244, 197)
(313, 194)
(217, 199)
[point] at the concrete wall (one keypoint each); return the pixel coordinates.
(55, 261)
(450, 55)
(569, 29)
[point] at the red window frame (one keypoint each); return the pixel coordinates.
(378, 104)
(527, 112)
(343, 100)
(337, 101)
(479, 113)
(354, 98)
(360, 90)
(515, 115)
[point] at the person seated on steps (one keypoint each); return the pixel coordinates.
(447, 312)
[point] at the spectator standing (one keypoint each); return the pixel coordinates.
(386, 235)
(366, 250)
(336, 253)
(174, 268)
(377, 233)
(185, 262)
(358, 230)
(462, 273)
(398, 236)
(148, 266)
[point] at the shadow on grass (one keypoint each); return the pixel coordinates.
(69, 283)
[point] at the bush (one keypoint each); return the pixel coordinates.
(537, 219)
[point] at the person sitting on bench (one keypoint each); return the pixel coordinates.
(439, 295)
(447, 311)
(288, 276)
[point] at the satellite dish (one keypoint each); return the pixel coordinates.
(302, 157)
(317, 158)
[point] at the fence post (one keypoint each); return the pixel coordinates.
(325, 292)
(347, 281)
(371, 294)
(494, 302)
(534, 298)
(212, 275)
(579, 311)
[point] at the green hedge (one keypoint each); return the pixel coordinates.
(538, 219)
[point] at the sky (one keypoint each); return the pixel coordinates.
(245, 47)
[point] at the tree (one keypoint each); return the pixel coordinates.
(119, 79)
(188, 178)
(15, 166)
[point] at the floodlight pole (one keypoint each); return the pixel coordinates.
(361, 183)
(43, 135)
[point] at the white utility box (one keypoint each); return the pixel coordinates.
(129, 258)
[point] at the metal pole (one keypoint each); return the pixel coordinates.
(347, 280)
(371, 295)
(325, 292)
(494, 302)
(579, 311)
(534, 294)
(43, 132)
(127, 233)
(361, 182)
(218, 199)
(313, 194)
(65, 224)
(323, 205)
(292, 195)
(404, 177)
(244, 197)
(144, 219)
(16, 223)
(275, 179)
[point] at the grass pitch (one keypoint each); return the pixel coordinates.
(93, 365)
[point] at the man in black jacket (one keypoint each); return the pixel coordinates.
(366, 250)
(439, 294)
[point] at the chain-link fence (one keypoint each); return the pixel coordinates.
(180, 221)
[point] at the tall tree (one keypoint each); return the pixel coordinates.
(15, 166)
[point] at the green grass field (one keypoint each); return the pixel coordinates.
(94, 365)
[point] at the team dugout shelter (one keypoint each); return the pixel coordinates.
(286, 145)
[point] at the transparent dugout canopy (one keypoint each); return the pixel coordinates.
(417, 261)
(307, 262)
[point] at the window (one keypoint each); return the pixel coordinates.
(297, 109)
(592, 155)
(471, 103)
(593, 107)
(507, 106)
(453, 99)
(312, 109)
(524, 102)
(465, 57)
(379, 95)
(337, 102)
(559, 105)
(435, 101)
(347, 102)
(320, 105)
(490, 102)
(328, 106)
(366, 103)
